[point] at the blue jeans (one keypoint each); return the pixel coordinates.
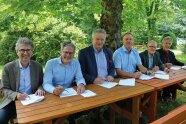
(7, 113)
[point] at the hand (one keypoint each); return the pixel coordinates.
(137, 74)
(167, 70)
(156, 68)
(58, 90)
(40, 92)
(22, 96)
(99, 80)
(109, 78)
(150, 72)
(168, 65)
(80, 88)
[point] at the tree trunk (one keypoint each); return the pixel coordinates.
(111, 22)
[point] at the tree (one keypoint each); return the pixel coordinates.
(111, 21)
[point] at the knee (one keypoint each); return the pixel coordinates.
(3, 117)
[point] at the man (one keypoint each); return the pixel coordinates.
(168, 58)
(96, 60)
(60, 73)
(151, 59)
(20, 78)
(127, 59)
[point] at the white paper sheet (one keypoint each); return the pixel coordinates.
(160, 72)
(32, 99)
(107, 84)
(127, 82)
(175, 68)
(88, 93)
(146, 77)
(162, 76)
(68, 92)
(184, 67)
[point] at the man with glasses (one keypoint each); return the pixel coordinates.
(19, 79)
(60, 73)
(151, 59)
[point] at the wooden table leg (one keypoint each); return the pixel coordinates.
(135, 109)
(153, 106)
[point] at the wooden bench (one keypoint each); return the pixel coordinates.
(176, 116)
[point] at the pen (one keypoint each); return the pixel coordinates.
(66, 90)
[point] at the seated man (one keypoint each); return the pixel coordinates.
(127, 59)
(168, 58)
(20, 78)
(60, 72)
(96, 60)
(151, 59)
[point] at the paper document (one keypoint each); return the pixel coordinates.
(88, 93)
(127, 82)
(162, 76)
(175, 68)
(146, 77)
(184, 67)
(32, 99)
(68, 92)
(107, 84)
(160, 72)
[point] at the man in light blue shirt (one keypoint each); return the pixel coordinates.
(60, 72)
(127, 59)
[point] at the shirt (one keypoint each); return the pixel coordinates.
(150, 61)
(101, 63)
(125, 60)
(25, 83)
(57, 73)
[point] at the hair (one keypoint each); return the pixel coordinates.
(23, 40)
(127, 33)
(68, 44)
(99, 31)
(151, 41)
(167, 38)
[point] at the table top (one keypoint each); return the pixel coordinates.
(53, 106)
(174, 78)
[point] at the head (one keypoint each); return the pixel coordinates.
(166, 43)
(24, 48)
(98, 38)
(151, 47)
(67, 52)
(128, 40)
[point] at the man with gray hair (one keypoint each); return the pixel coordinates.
(20, 78)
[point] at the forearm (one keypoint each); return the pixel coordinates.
(123, 74)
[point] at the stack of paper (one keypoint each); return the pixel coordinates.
(32, 99)
(146, 77)
(175, 68)
(127, 82)
(184, 67)
(160, 72)
(88, 93)
(68, 92)
(157, 75)
(107, 84)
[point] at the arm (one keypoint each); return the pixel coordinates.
(48, 76)
(111, 70)
(79, 77)
(83, 62)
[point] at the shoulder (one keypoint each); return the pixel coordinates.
(11, 64)
(160, 50)
(86, 49)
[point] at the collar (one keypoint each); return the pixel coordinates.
(96, 51)
(60, 62)
(21, 67)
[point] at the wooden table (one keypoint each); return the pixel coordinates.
(174, 78)
(53, 106)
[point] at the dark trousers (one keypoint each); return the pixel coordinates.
(7, 113)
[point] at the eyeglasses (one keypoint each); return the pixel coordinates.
(153, 46)
(66, 52)
(25, 50)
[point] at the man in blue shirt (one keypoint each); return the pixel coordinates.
(20, 78)
(127, 59)
(60, 72)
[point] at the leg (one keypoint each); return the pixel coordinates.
(7, 112)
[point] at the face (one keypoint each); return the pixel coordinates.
(24, 53)
(128, 41)
(166, 45)
(98, 40)
(67, 54)
(152, 48)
